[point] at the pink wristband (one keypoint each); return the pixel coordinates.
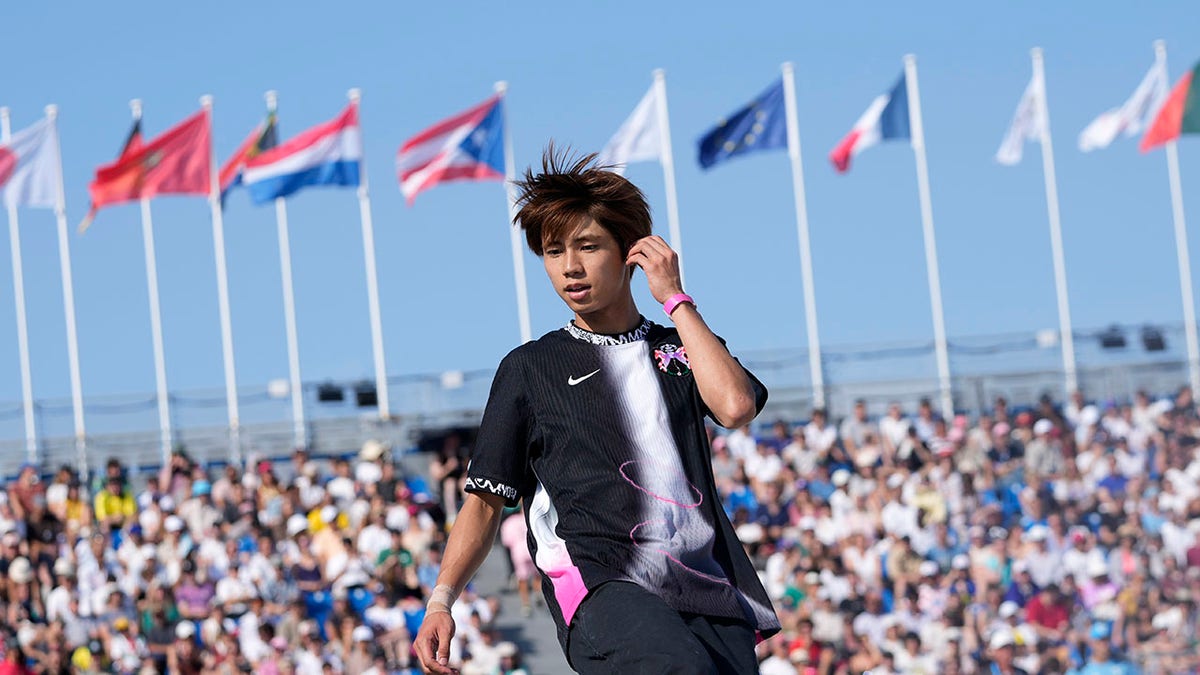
(676, 300)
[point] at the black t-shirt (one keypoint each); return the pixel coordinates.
(603, 437)
(44, 530)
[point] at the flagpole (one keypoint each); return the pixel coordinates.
(368, 232)
(940, 348)
(518, 250)
(1056, 243)
(667, 159)
(300, 436)
(218, 226)
(68, 284)
(810, 297)
(1181, 248)
(14, 237)
(156, 334)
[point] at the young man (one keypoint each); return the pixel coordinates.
(599, 428)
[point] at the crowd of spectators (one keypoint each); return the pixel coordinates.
(229, 570)
(1058, 539)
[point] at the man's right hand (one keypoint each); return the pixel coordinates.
(433, 643)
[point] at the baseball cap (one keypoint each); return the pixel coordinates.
(1001, 639)
(185, 630)
(296, 524)
(1100, 631)
(362, 634)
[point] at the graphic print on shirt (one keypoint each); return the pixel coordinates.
(672, 359)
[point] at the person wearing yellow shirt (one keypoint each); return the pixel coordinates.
(113, 504)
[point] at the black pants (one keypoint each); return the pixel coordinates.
(623, 628)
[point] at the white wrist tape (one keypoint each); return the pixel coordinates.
(441, 599)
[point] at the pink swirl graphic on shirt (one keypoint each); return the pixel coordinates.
(661, 498)
(642, 542)
(662, 521)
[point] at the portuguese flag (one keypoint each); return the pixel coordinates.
(1179, 115)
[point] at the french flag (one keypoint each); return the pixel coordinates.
(327, 154)
(467, 146)
(886, 119)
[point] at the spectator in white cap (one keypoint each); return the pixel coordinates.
(360, 657)
(1000, 654)
(371, 458)
(1043, 454)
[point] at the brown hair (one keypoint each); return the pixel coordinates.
(569, 191)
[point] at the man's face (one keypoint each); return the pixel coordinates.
(587, 268)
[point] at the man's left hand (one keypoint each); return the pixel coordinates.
(661, 265)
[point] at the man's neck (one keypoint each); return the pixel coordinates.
(618, 318)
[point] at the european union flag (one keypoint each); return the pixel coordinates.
(760, 125)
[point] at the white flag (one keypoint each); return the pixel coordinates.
(1132, 117)
(29, 167)
(639, 139)
(1028, 124)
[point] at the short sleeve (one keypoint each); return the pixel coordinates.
(760, 390)
(500, 460)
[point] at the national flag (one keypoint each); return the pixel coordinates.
(1180, 114)
(1028, 123)
(133, 141)
(1133, 116)
(466, 146)
(639, 139)
(29, 171)
(264, 137)
(327, 154)
(175, 163)
(886, 119)
(759, 125)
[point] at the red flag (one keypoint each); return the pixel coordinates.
(132, 142)
(176, 163)
(1168, 123)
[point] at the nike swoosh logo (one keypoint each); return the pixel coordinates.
(572, 381)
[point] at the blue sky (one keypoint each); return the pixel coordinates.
(575, 71)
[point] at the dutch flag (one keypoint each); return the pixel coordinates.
(327, 154)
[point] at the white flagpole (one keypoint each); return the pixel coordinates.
(14, 238)
(518, 249)
(368, 231)
(218, 225)
(667, 159)
(1056, 243)
(941, 351)
(68, 284)
(1181, 249)
(156, 334)
(300, 437)
(810, 297)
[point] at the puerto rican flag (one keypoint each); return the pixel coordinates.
(327, 154)
(467, 146)
(886, 119)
